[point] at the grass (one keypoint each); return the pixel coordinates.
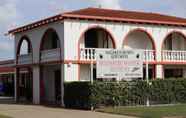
(3, 116)
(176, 111)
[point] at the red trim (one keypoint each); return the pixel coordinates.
(81, 38)
(146, 32)
(172, 32)
(159, 20)
(89, 62)
(37, 24)
(140, 30)
(6, 70)
(102, 18)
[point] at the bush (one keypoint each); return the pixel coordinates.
(77, 95)
(83, 94)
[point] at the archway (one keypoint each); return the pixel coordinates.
(141, 39)
(174, 50)
(24, 73)
(50, 69)
(93, 38)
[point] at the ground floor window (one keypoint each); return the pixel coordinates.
(173, 73)
(7, 85)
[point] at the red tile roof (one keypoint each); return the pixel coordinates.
(7, 62)
(6, 69)
(6, 66)
(109, 15)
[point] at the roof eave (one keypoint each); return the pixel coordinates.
(122, 20)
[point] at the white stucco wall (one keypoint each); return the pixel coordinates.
(36, 36)
(85, 72)
(73, 30)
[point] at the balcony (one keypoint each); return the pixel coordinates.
(173, 56)
(25, 59)
(89, 54)
(50, 55)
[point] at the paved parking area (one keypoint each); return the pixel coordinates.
(31, 111)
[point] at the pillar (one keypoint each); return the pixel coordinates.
(36, 85)
(184, 72)
(62, 85)
(159, 71)
(16, 77)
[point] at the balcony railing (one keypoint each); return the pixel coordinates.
(50, 55)
(149, 55)
(178, 56)
(25, 58)
(89, 54)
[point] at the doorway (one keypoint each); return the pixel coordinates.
(57, 76)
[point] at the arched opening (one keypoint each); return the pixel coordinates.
(174, 50)
(141, 39)
(97, 38)
(24, 74)
(50, 69)
(174, 41)
(92, 39)
(50, 40)
(25, 48)
(24, 51)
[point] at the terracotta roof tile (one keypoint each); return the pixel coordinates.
(110, 15)
(127, 16)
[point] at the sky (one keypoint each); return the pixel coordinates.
(14, 13)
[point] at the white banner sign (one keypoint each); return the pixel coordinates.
(112, 63)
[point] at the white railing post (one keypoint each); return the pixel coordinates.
(179, 56)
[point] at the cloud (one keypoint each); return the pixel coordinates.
(8, 13)
(8, 17)
(111, 4)
(6, 46)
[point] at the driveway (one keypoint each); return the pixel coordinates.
(31, 111)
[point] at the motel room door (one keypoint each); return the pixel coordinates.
(58, 86)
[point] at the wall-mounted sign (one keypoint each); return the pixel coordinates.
(114, 63)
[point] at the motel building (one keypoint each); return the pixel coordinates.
(61, 48)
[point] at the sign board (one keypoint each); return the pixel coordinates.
(113, 63)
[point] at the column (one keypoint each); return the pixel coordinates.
(62, 85)
(184, 72)
(16, 84)
(36, 85)
(159, 71)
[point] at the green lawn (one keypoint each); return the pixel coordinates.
(149, 112)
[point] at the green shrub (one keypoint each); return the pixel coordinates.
(77, 95)
(84, 95)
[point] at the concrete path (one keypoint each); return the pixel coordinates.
(31, 111)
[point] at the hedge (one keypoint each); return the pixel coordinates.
(84, 95)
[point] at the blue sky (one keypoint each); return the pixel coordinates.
(15, 13)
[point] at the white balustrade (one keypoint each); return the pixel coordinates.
(25, 58)
(89, 54)
(169, 55)
(50, 55)
(149, 55)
